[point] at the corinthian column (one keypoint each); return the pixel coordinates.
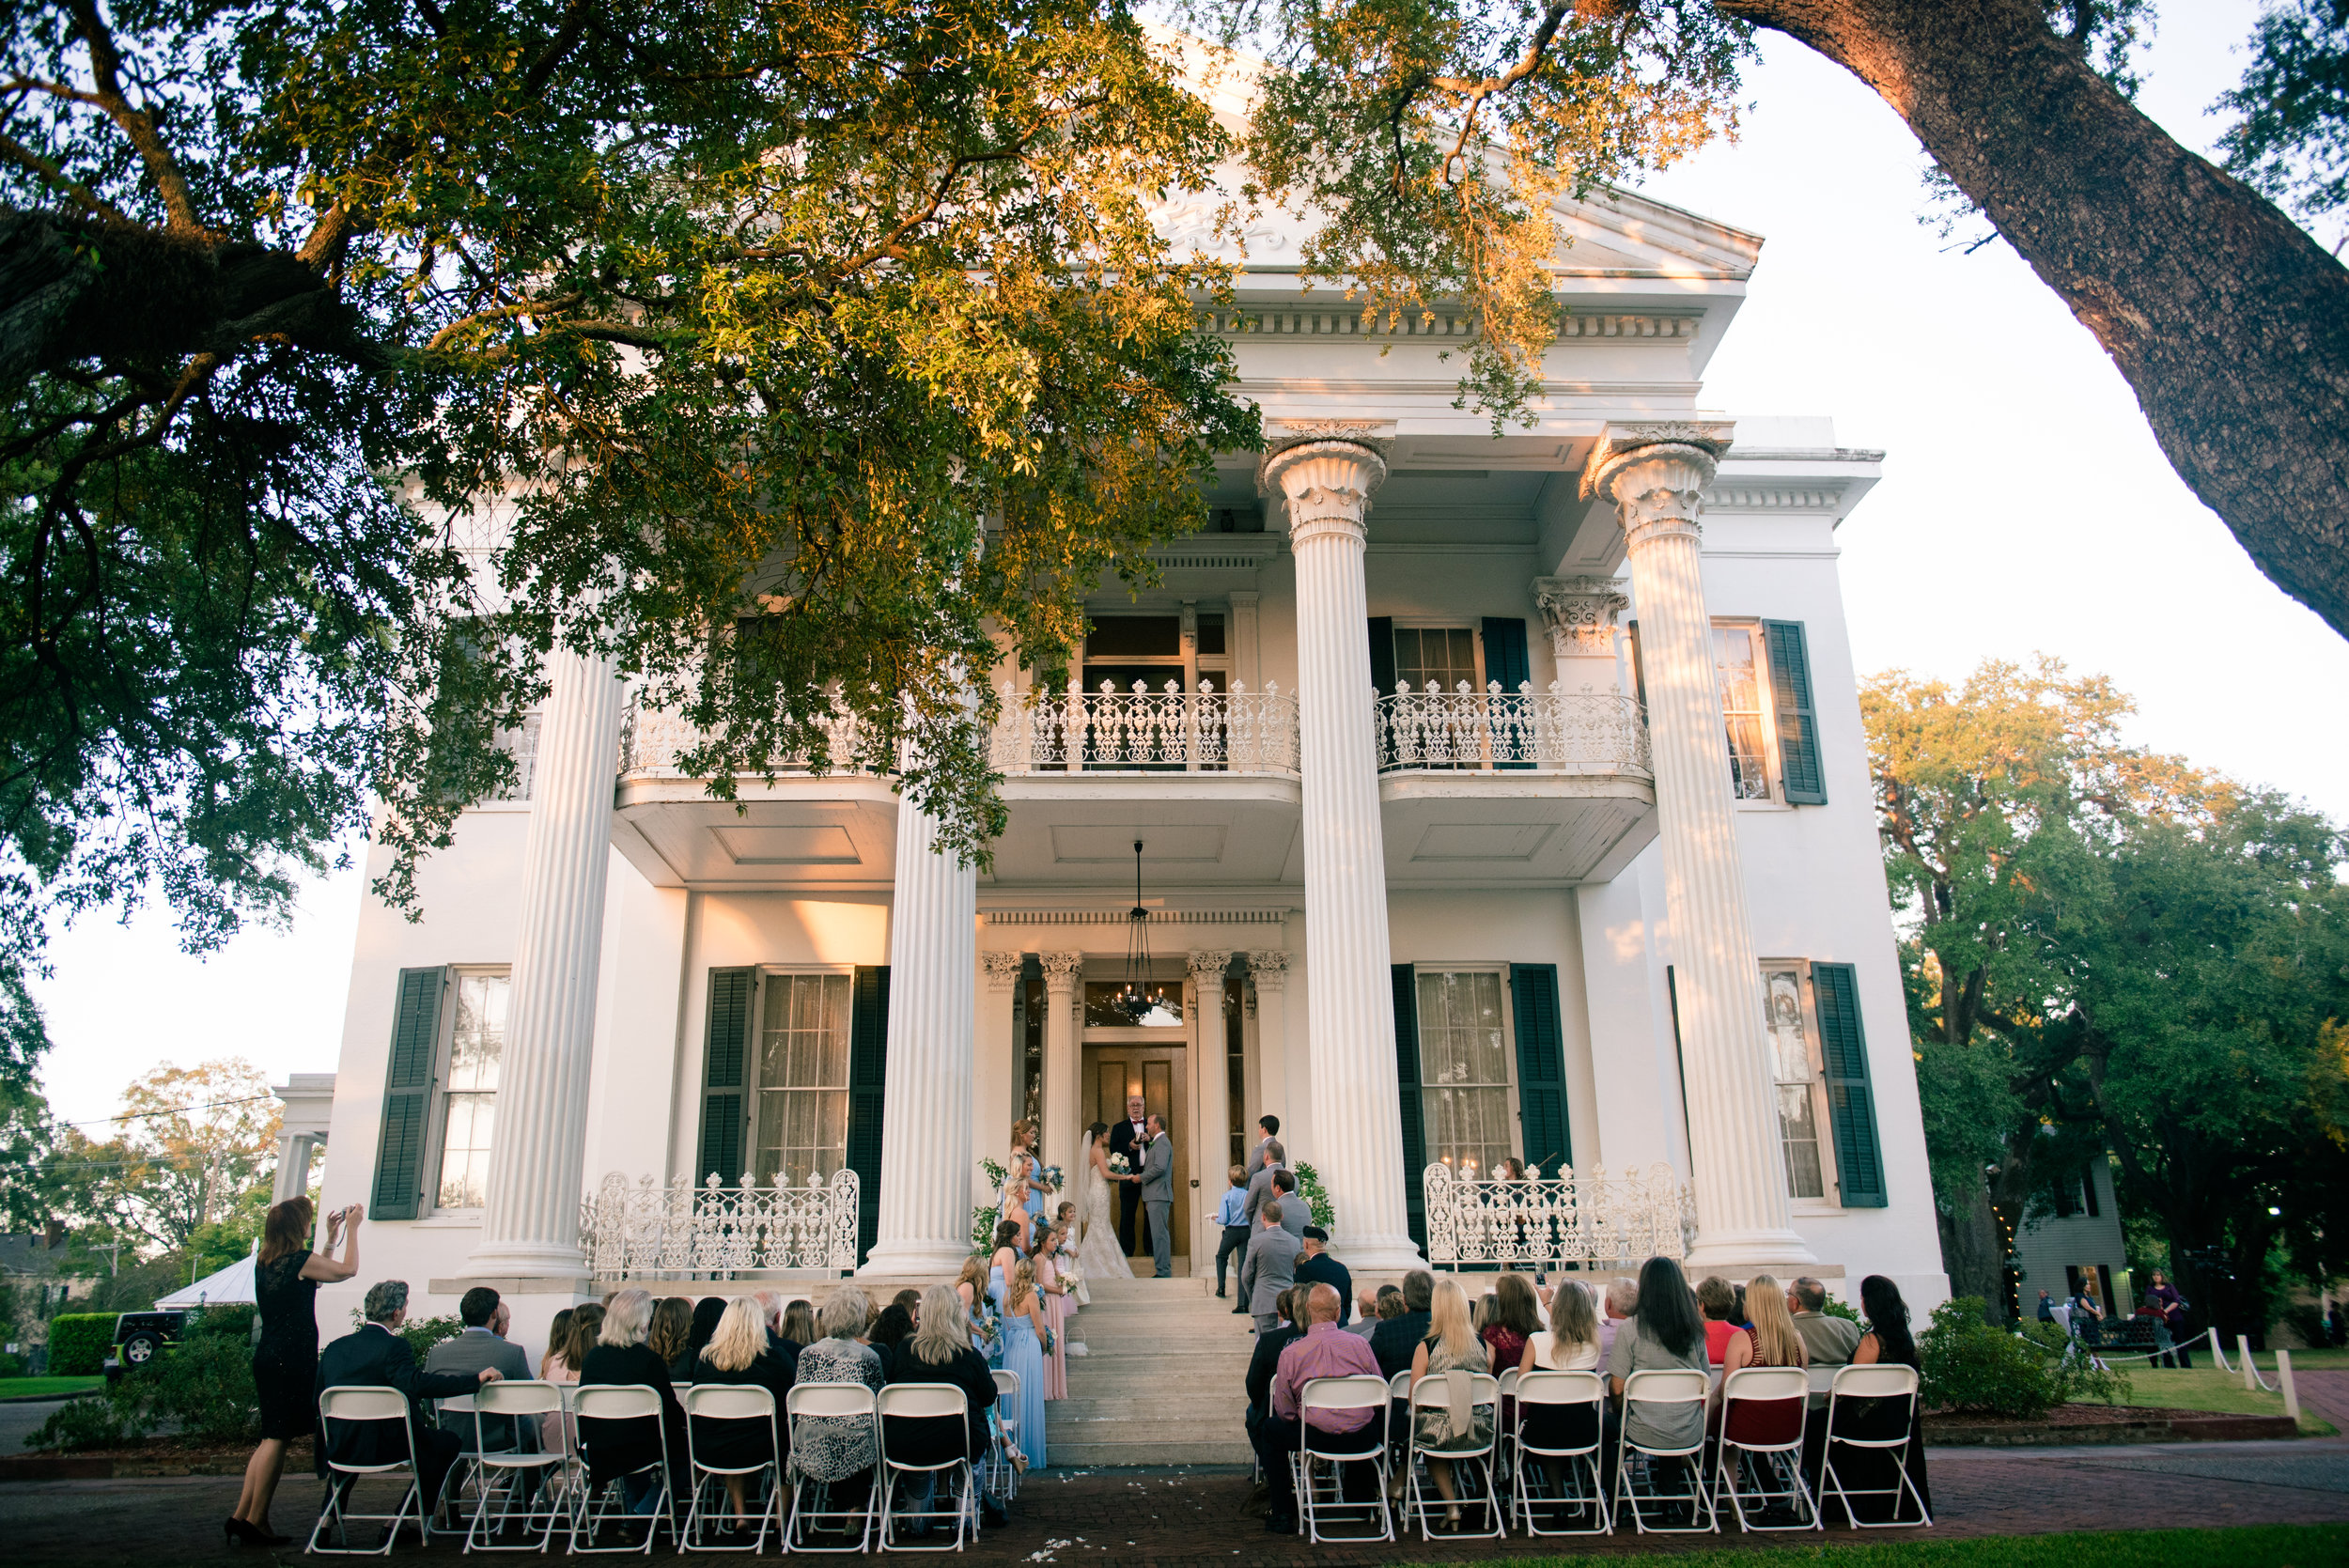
(1063, 1121)
(1357, 1138)
(925, 1095)
(529, 1211)
(1657, 485)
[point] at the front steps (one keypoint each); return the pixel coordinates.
(1163, 1379)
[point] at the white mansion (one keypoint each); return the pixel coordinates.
(1497, 798)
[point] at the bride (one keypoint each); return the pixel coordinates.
(1099, 1255)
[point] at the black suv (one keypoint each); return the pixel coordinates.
(140, 1338)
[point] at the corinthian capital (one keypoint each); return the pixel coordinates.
(1269, 967)
(1656, 474)
(1061, 970)
(1208, 964)
(1326, 484)
(1581, 613)
(1003, 969)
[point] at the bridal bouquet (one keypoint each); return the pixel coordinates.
(1120, 1166)
(1044, 1178)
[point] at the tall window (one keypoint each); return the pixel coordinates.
(1796, 1073)
(1737, 667)
(1445, 654)
(469, 1105)
(1464, 1066)
(802, 1122)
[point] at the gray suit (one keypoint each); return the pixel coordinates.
(1257, 1159)
(1260, 1188)
(1158, 1201)
(468, 1353)
(1270, 1268)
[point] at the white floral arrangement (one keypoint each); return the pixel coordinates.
(1120, 1166)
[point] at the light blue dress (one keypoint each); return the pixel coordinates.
(1023, 1353)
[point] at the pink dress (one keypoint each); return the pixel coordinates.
(1055, 1318)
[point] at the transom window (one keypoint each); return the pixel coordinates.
(802, 1124)
(1464, 1070)
(1795, 1067)
(1104, 1011)
(1738, 666)
(469, 1103)
(1435, 653)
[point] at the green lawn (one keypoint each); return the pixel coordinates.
(2249, 1546)
(2207, 1388)
(21, 1388)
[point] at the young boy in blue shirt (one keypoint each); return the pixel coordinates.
(1232, 1215)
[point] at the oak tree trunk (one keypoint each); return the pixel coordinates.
(2229, 322)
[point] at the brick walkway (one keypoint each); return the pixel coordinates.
(1190, 1519)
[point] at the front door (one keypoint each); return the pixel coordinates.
(1161, 1075)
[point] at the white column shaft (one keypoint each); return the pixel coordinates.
(530, 1218)
(926, 1101)
(1064, 1118)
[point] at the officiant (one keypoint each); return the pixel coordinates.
(1129, 1138)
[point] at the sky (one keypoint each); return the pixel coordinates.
(2024, 509)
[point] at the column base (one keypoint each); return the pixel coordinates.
(1745, 1247)
(916, 1258)
(1377, 1254)
(511, 1260)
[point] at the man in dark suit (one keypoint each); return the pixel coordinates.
(376, 1356)
(483, 1344)
(1262, 1156)
(1261, 1368)
(1317, 1267)
(1128, 1138)
(1394, 1339)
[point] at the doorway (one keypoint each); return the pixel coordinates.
(1160, 1073)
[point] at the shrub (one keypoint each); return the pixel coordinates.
(1969, 1365)
(1316, 1196)
(1835, 1307)
(202, 1388)
(12, 1366)
(78, 1343)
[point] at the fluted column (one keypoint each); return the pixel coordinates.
(530, 1213)
(1063, 1121)
(1737, 1165)
(1269, 979)
(1211, 1139)
(925, 1096)
(1356, 1139)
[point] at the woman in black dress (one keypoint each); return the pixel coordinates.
(286, 1280)
(737, 1353)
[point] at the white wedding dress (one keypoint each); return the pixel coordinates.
(1098, 1254)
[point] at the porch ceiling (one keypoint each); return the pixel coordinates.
(1482, 829)
(839, 831)
(1198, 830)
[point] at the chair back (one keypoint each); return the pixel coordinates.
(1874, 1381)
(456, 1404)
(1360, 1392)
(1433, 1392)
(614, 1402)
(519, 1398)
(1509, 1382)
(829, 1399)
(918, 1401)
(1820, 1378)
(1399, 1386)
(1766, 1383)
(1763, 1407)
(1561, 1387)
(350, 1403)
(1667, 1386)
(730, 1402)
(1006, 1384)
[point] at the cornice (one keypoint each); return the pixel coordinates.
(1452, 325)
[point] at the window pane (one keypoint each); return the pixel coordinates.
(470, 1120)
(1799, 1124)
(801, 1120)
(1103, 1009)
(1446, 655)
(1464, 1061)
(1736, 666)
(469, 1108)
(1797, 1073)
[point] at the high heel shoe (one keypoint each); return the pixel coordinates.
(242, 1533)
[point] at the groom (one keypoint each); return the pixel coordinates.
(1157, 1196)
(1128, 1138)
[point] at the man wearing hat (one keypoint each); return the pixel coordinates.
(1317, 1267)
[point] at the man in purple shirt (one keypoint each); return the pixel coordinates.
(1324, 1350)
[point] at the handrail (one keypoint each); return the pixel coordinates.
(658, 1230)
(1555, 731)
(1141, 731)
(1575, 1217)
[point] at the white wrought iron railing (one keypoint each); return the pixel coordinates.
(655, 1231)
(652, 739)
(1555, 731)
(1140, 730)
(1584, 1217)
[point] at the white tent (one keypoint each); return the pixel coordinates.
(231, 1287)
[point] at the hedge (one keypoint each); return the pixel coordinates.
(78, 1343)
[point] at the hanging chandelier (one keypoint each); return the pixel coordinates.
(1139, 996)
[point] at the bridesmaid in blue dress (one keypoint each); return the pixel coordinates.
(999, 1267)
(1024, 1327)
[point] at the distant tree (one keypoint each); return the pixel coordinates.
(30, 1196)
(2291, 140)
(194, 1143)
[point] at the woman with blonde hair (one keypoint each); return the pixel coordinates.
(624, 1448)
(286, 1280)
(1570, 1343)
(1451, 1346)
(1055, 1295)
(1025, 1331)
(1772, 1341)
(941, 1352)
(737, 1353)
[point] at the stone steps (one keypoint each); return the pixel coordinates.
(1162, 1381)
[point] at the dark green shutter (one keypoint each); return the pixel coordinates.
(1407, 1095)
(1638, 671)
(726, 1050)
(408, 1093)
(1541, 1067)
(1382, 654)
(1797, 724)
(1505, 661)
(1851, 1106)
(868, 1061)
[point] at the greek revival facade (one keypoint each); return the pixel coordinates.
(1498, 798)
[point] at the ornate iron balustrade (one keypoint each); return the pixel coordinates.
(1581, 1218)
(1543, 732)
(652, 739)
(654, 1232)
(1205, 731)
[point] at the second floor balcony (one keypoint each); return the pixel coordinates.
(1140, 730)
(1557, 731)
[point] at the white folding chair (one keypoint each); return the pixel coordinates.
(1433, 1392)
(592, 1405)
(1763, 1413)
(352, 1405)
(753, 1407)
(1873, 1383)
(1504, 1437)
(1664, 1386)
(809, 1401)
(528, 1473)
(1560, 1393)
(928, 1402)
(462, 1475)
(1002, 1473)
(1318, 1464)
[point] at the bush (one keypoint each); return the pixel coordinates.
(202, 1388)
(12, 1366)
(1972, 1367)
(1309, 1187)
(78, 1343)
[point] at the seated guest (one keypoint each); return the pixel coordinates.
(737, 1353)
(783, 1352)
(1667, 1333)
(1616, 1307)
(1512, 1320)
(482, 1343)
(1390, 1302)
(552, 1367)
(1886, 1342)
(838, 1451)
(374, 1356)
(891, 1328)
(1770, 1339)
(1267, 1360)
(1827, 1341)
(939, 1351)
(707, 1312)
(1451, 1346)
(1570, 1343)
(1397, 1338)
(1317, 1266)
(670, 1336)
(799, 1322)
(1718, 1300)
(624, 1448)
(1367, 1311)
(1322, 1351)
